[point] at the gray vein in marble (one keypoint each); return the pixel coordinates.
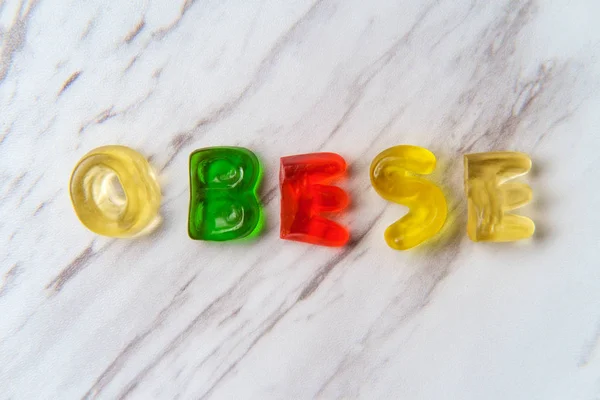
(135, 344)
(72, 269)
(14, 39)
(103, 116)
(305, 293)
(110, 113)
(225, 110)
(13, 187)
(307, 290)
(590, 348)
(324, 271)
(159, 35)
(88, 29)
(505, 127)
(269, 195)
(46, 203)
(359, 85)
(69, 82)
(382, 328)
(213, 308)
(258, 338)
(135, 32)
(9, 279)
(384, 131)
(178, 143)
(30, 189)
(6, 132)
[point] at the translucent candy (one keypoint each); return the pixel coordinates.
(489, 197)
(393, 177)
(306, 196)
(114, 192)
(223, 202)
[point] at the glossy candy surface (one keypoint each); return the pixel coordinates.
(489, 197)
(306, 196)
(114, 192)
(393, 177)
(223, 202)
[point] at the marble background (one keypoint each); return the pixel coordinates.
(82, 316)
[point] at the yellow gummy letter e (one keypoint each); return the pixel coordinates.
(489, 197)
(393, 175)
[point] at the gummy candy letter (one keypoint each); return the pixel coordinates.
(393, 177)
(114, 192)
(306, 196)
(223, 200)
(489, 197)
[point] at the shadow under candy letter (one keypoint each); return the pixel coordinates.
(223, 184)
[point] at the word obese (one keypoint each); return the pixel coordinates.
(115, 193)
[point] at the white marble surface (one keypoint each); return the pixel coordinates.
(166, 317)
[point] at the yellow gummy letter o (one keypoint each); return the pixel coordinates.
(393, 177)
(115, 193)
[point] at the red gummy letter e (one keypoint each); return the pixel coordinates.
(306, 196)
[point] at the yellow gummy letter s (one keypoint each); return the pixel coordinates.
(489, 197)
(393, 177)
